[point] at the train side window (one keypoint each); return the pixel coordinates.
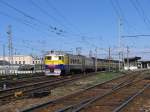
(70, 60)
(78, 61)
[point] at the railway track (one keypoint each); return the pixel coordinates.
(20, 76)
(138, 102)
(24, 81)
(79, 100)
(29, 89)
(11, 81)
(115, 100)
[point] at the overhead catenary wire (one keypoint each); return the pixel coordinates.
(61, 15)
(120, 14)
(140, 12)
(143, 12)
(28, 16)
(79, 34)
(46, 13)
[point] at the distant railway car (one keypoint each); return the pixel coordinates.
(76, 64)
(88, 64)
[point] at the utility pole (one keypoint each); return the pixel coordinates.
(119, 36)
(3, 54)
(78, 50)
(90, 53)
(128, 63)
(109, 58)
(10, 46)
(4, 58)
(123, 58)
(96, 59)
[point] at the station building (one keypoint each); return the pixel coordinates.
(22, 59)
(132, 63)
(144, 64)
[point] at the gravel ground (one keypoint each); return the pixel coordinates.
(59, 92)
(140, 104)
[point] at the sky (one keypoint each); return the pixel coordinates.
(43, 25)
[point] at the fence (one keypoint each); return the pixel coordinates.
(21, 69)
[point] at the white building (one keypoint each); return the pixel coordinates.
(22, 59)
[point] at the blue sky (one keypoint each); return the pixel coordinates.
(66, 24)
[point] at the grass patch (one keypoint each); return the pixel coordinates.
(85, 83)
(105, 76)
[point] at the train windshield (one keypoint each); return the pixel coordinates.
(54, 58)
(48, 58)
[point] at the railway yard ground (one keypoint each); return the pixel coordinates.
(61, 91)
(76, 92)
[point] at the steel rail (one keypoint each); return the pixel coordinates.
(126, 102)
(100, 97)
(80, 106)
(59, 99)
(52, 84)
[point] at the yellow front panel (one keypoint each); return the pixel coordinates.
(54, 62)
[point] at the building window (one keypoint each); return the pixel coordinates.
(19, 62)
(15, 62)
(33, 62)
(23, 62)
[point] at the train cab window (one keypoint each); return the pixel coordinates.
(49, 58)
(61, 58)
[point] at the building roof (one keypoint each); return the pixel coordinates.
(132, 58)
(145, 61)
(2, 62)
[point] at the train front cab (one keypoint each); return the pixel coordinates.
(55, 65)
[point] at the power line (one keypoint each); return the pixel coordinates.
(25, 22)
(140, 12)
(143, 12)
(123, 17)
(61, 15)
(28, 16)
(28, 23)
(46, 13)
(124, 36)
(21, 12)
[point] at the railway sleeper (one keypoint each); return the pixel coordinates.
(39, 94)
